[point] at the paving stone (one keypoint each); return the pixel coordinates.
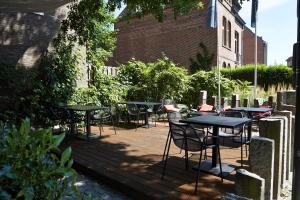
(261, 161)
(249, 185)
(289, 155)
(292, 143)
(235, 100)
(273, 129)
(203, 97)
(284, 148)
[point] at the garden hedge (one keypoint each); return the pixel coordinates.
(267, 75)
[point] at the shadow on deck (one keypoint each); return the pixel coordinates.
(130, 162)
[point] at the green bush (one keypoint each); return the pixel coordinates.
(153, 81)
(28, 167)
(209, 81)
(267, 75)
(166, 80)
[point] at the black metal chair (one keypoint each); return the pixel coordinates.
(186, 138)
(134, 111)
(58, 117)
(120, 112)
(102, 116)
(237, 135)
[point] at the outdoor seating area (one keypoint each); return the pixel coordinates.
(158, 100)
(187, 152)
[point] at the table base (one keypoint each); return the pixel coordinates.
(147, 126)
(206, 167)
(92, 136)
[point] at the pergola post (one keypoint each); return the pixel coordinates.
(296, 65)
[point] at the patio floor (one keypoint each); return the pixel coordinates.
(130, 161)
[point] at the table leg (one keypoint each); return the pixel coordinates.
(249, 131)
(72, 124)
(147, 125)
(88, 126)
(214, 150)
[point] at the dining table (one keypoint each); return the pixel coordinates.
(87, 109)
(217, 122)
(250, 112)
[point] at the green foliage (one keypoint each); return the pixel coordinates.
(209, 81)
(267, 75)
(28, 167)
(140, 8)
(91, 25)
(166, 80)
(106, 91)
(153, 81)
(16, 92)
(203, 60)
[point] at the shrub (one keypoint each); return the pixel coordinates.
(166, 80)
(267, 75)
(28, 167)
(153, 81)
(209, 81)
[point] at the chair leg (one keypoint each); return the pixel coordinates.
(186, 159)
(99, 126)
(220, 163)
(241, 150)
(113, 124)
(198, 172)
(166, 160)
(168, 138)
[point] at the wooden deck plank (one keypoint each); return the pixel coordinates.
(133, 159)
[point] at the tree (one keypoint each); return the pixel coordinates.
(156, 8)
(89, 23)
(203, 60)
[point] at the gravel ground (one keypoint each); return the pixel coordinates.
(96, 190)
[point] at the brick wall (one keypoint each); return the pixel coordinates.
(248, 48)
(146, 39)
(227, 54)
(24, 36)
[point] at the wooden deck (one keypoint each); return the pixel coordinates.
(130, 161)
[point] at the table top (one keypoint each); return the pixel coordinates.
(141, 103)
(203, 113)
(226, 122)
(82, 107)
(252, 109)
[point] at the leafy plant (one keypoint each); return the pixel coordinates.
(203, 60)
(28, 167)
(153, 81)
(209, 81)
(267, 75)
(166, 80)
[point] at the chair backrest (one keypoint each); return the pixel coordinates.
(185, 137)
(132, 109)
(174, 116)
(231, 113)
(105, 112)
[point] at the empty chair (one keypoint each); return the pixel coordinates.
(186, 138)
(238, 135)
(102, 116)
(134, 111)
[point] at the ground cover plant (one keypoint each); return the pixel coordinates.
(29, 168)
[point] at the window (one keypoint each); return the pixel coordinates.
(229, 34)
(228, 65)
(224, 64)
(236, 42)
(224, 35)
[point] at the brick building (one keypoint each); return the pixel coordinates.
(27, 28)
(248, 48)
(146, 39)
